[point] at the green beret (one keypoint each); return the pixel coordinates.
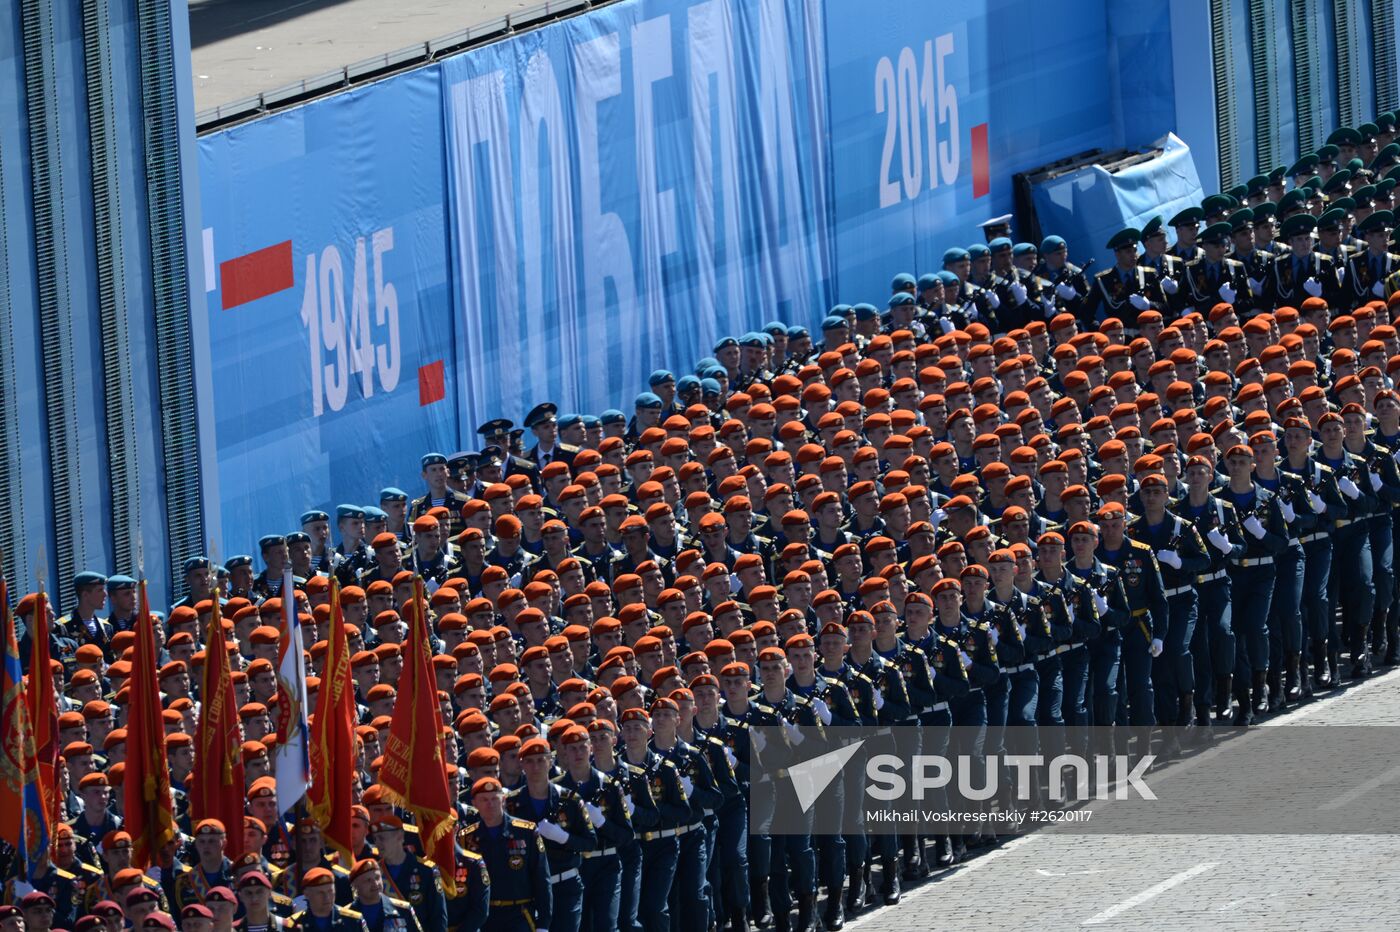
(1189, 217)
(1381, 220)
(1297, 224)
(1127, 236)
(1152, 227)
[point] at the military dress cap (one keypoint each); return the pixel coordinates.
(648, 400)
(1346, 136)
(1189, 217)
(1368, 131)
(866, 311)
(1346, 204)
(1296, 225)
(88, 578)
(490, 458)
(1385, 121)
(901, 299)
(1152, 227)
(1217, 233)
(391, 494)
(315, 514)
(1327, 154)
(1264, 212)
(723, 343)
(1338, 181)
(978, 251)
(241, 560)
(1384, 187)
(116, 583)
(1218, 205)
(1052, 243)
(1256, 185)
(775, 328)
(1307, 165)
(927, 281)
(541, 413)
(1297, 199)
(350, 511)
(955, 254)
(1239, 192)
(499, 425)
(1277, 175)
(1364, 195)
(901, 281)
(1242, 219)
(1023, 249)
(1387, 157)
(1128, 236)
(1003, 221)
(1379, 221)
(195, 563)
(834, 323)
(999, 244)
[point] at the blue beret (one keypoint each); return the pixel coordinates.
(901, 281)
(195, 563)
(375, 514)
(1052, 243)
(569, 420)
(348, 511)
(648, 400)
(715, 372)
(589, 421)
(687, 383)
(702, 364)
(434, 459)
(240, 560)
(956, 254)
(270, 540)
(1023, 249)
(660, 377)
(978, 251)
(88, 578)
(1000, 244)
(840, 310)
(901, 299)
(753, 340)
(298, 537)
(614, 416)
(834, 323)
(116, 583)
(866, 311)
(775, 329)
(709, 386)
(315, 515)
(795, 333)
(725, 342)
(948, 279)
(392, 494)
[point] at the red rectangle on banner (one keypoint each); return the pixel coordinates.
(431, 383)
(256, 275)
(981, 169)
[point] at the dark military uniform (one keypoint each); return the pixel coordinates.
(516, 863)
(390, 915)
(417, 882)
(341, 920)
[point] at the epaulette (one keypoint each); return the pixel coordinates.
(633, 768)
(428, 863)
(469, 828)
(281, 899)
(339, 871)
(349, 913)
(64, 875)
(404, 904)
(470, 856)
(1139, 545)
(522, 823)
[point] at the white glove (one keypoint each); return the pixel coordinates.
(992, 300)
(1049, 305)
(1018, 292)
(1100, 603)
(595, 815)
(1252, 525)
(1376, 482)
(1021, 630)
(552, 832)
(1378, 289)
(970, 311)
(823, 711)
(993, 635)
(1289, 514)
(1169, 285)
(1316, 503)
(1138, 301)
(1066, 292)
(879, 699)
(631, 806)
(687, 784)
(759, 742)
(1227, 294)
(1313, 287)
(1170, 558)
(1072, 616)
(937, 517)
(1256, 286)
(946, 325)
(1348, 488)
(966, 660)
(729, 756)
(1156, 649)
(1219, 540)
(794, 733)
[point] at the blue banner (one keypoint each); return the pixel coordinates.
(629, 186)
(330, 317)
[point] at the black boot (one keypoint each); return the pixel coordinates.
(890, 868)
(1322, 668)
(758, 901)
(1275, 680)
(1261, 691)
(739, 923)
(1305, 679)
(872, 896)
(943, 851)
(833, 917)
(1222, 696)
(855, 892)
(806, 910)
(1190, 734)
(1292, 681)
(1361, 662)
(1244, 710)
(1334, 667)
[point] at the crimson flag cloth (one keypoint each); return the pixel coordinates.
(333, 757)
(216, 785)
(149, 809)
(42, 699)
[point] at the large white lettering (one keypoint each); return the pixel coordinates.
(651, 62)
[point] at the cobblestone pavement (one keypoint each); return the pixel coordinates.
(1056, 880)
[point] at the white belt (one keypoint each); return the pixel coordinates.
(1021, 669)
(938, 707)
(1256, 561)
(665, 833)
(569, 874)
(1212, 577)
(1346, 521)
(602, 853)
(1179, 590)
(1309, 538)
(1064, 648)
